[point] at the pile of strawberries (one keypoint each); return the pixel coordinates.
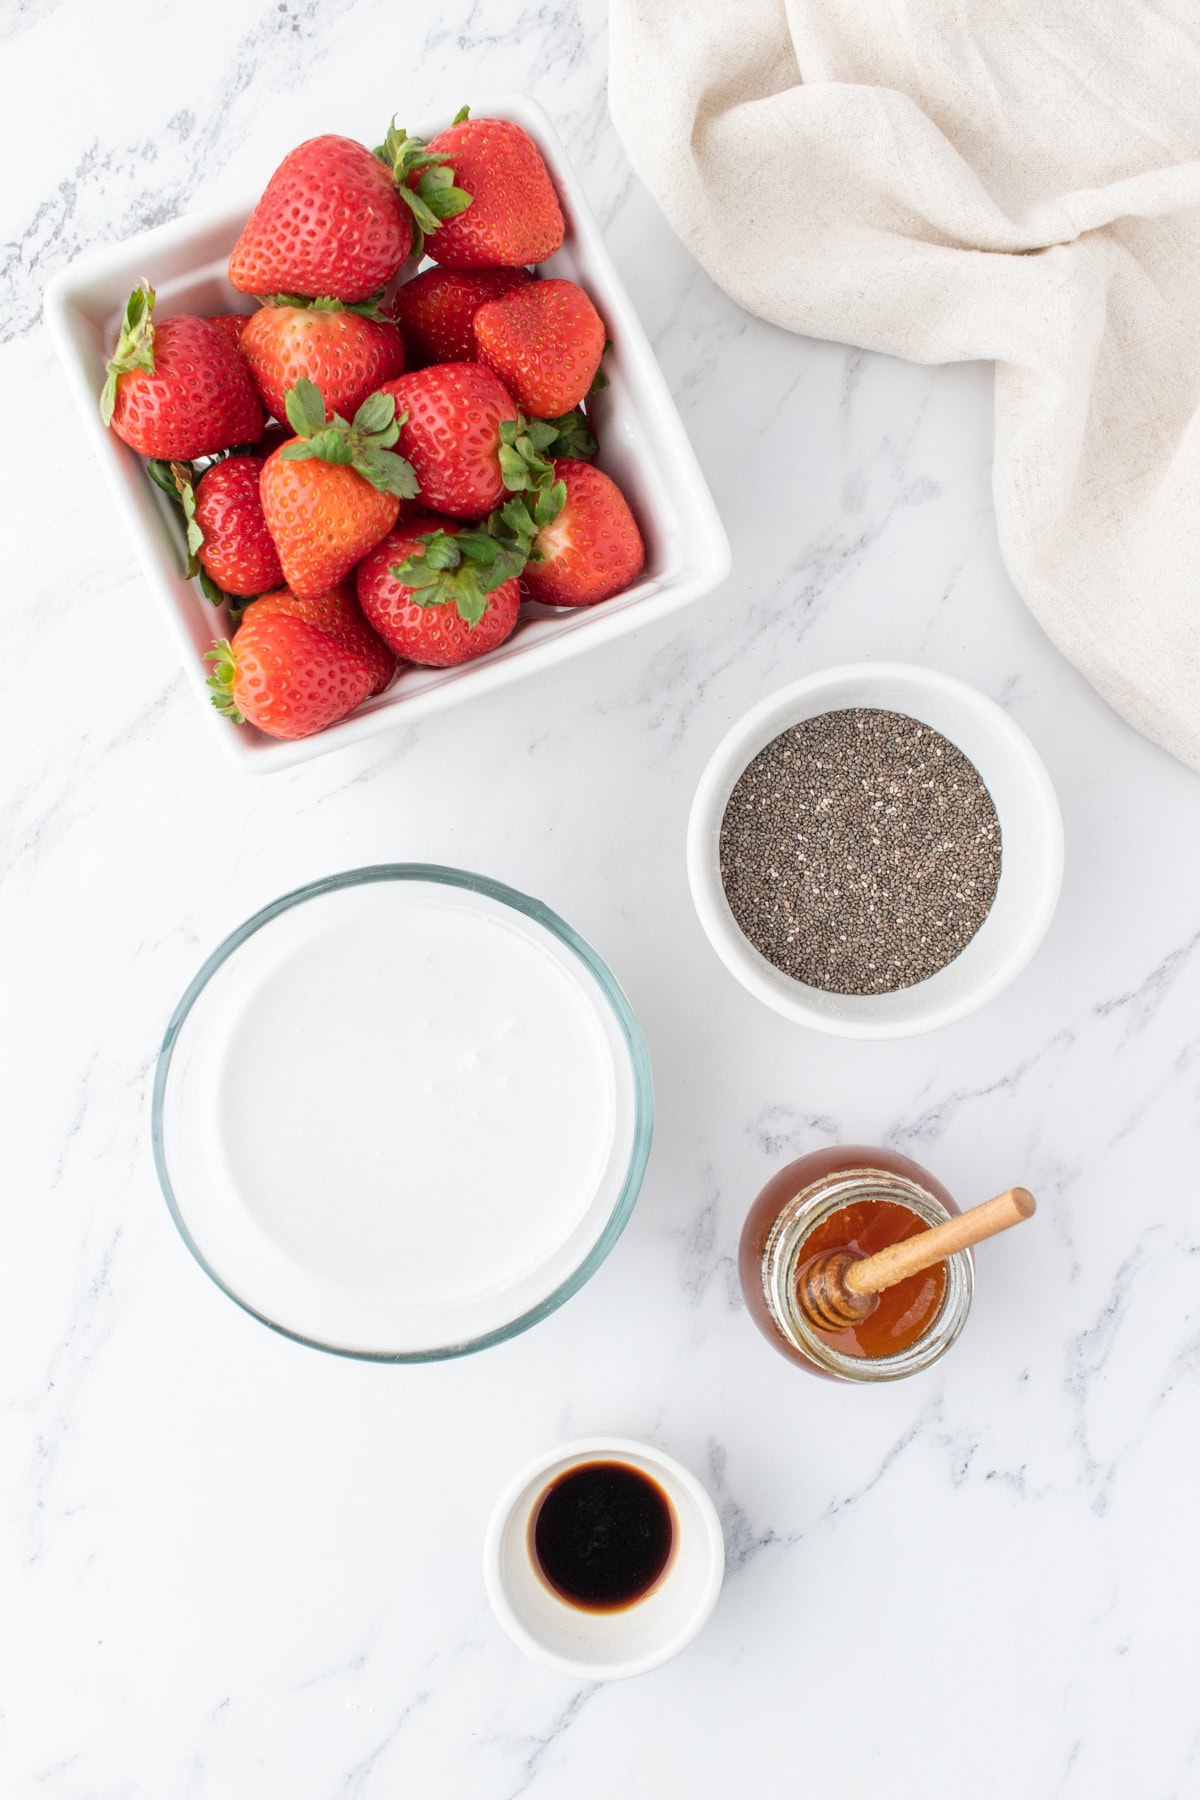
(378, 465)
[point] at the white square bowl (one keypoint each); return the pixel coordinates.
(643, 446)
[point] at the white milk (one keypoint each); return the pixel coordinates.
(420, 1106)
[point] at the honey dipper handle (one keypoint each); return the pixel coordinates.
(883, 1270)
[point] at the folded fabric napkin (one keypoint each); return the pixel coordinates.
(950, 179)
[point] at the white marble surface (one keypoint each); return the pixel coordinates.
(233, 1567)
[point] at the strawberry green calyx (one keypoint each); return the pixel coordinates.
(236, 603)
(542, 508)
(522, 443)
(600, 379)
(512, 525)
(461, 116)
(222, 678)
(176, 480)
(135, 346)
(366, 309)
(521, 518)
(435, 196)
(573, 437)
(436, 193)
(462, 568)
(526, 444)
(160, 473)
(362, 445)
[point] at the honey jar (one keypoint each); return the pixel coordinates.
(855, 1198)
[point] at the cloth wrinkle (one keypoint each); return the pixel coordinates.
(958, 182)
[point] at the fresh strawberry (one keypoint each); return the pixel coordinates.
(334, 491)
(296, 666)
(336, 220)
(514, 216)
(587, 545)
(441, 593)
(545, 342)
(465, 438)
(178, 389)
(237, 551)
(437, 308)
(230, 325)
(229, 546)
(345, 355)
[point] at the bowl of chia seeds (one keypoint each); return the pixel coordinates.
(875, 850)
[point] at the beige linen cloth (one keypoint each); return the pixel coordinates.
(946, 179)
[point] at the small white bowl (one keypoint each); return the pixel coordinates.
(1031, 857)
(604, 1646)
(643, 446)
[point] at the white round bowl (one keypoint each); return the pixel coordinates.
(1031, 855)
(595, 1646)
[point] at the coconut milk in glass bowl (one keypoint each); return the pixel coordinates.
(402, 1113)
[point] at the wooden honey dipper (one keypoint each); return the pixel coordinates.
(840, 1288)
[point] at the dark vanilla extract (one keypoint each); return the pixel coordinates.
(601, 1535)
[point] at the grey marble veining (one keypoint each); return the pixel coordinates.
(231, 1567)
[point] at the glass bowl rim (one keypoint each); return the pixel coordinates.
(438, 874)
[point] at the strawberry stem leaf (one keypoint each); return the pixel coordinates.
(366, 309)
(462, 568)
(437, 190)
(600, 379)
(195, 537)
(222, 679)
(135, 346)
(461, 116)
(523, 517)
(435, 196)
(211, 591)
(377, 414)
(364, 445)
(305, 408)
(512, 522)
(522, 441)
(160, 474)
(176, 479)
(301, 300)
(548, 503)
(389, 473)
(572, 437)
(332, 446)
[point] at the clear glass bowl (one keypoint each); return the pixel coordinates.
(255, 1271)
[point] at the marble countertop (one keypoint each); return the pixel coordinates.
(233, 1567)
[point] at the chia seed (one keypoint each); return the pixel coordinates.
(860, 851)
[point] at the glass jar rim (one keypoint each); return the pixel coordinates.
(782, 1254)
